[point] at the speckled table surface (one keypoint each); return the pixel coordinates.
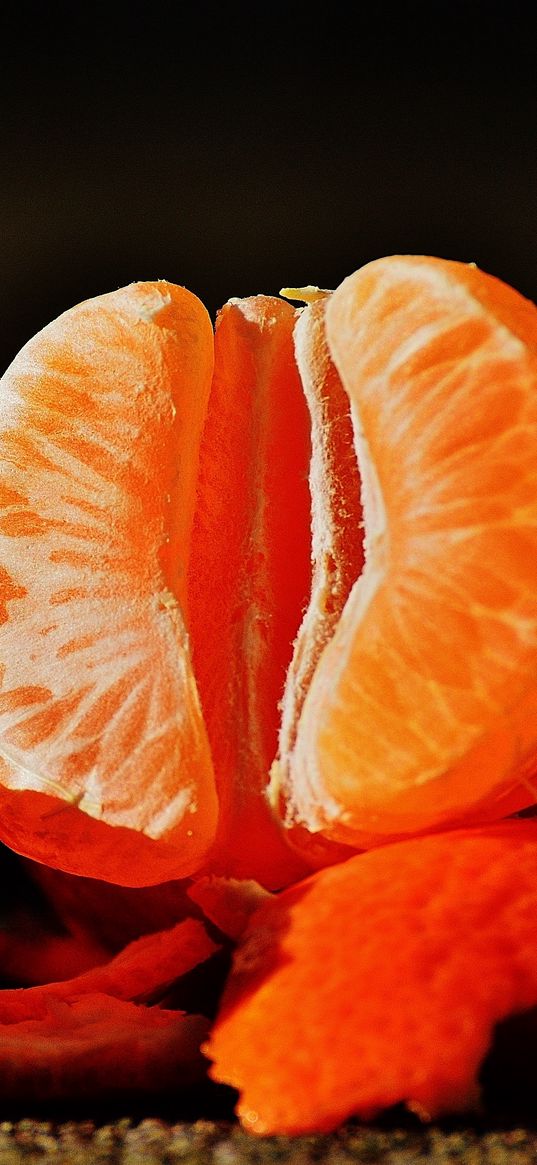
(155, 1141)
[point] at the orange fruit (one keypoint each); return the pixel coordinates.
(128, 501)
(379, 980)
(419, 709)
(249, 572)
(337, 539)
(156, 562)
(337, 552)
(105, 767)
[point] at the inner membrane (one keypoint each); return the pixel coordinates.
(337, 533)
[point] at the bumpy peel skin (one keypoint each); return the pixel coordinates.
(380, 980)
(422, 709)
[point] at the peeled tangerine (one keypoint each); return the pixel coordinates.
(156, 561)
(158, 650)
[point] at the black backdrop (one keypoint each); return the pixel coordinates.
(239, 147)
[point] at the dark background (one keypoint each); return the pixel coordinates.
(240, 147)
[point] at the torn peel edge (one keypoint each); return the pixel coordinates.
(144, 969)
(97, 1047)
(329, 921)
(228, 902)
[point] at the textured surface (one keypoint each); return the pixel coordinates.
(380, 981)
(154, 1141)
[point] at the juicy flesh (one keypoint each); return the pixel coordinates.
(422, 707)
(100, 723)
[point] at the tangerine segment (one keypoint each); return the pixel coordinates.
(249, 576)
(100, 424)
(379, 980)
(422, 708)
